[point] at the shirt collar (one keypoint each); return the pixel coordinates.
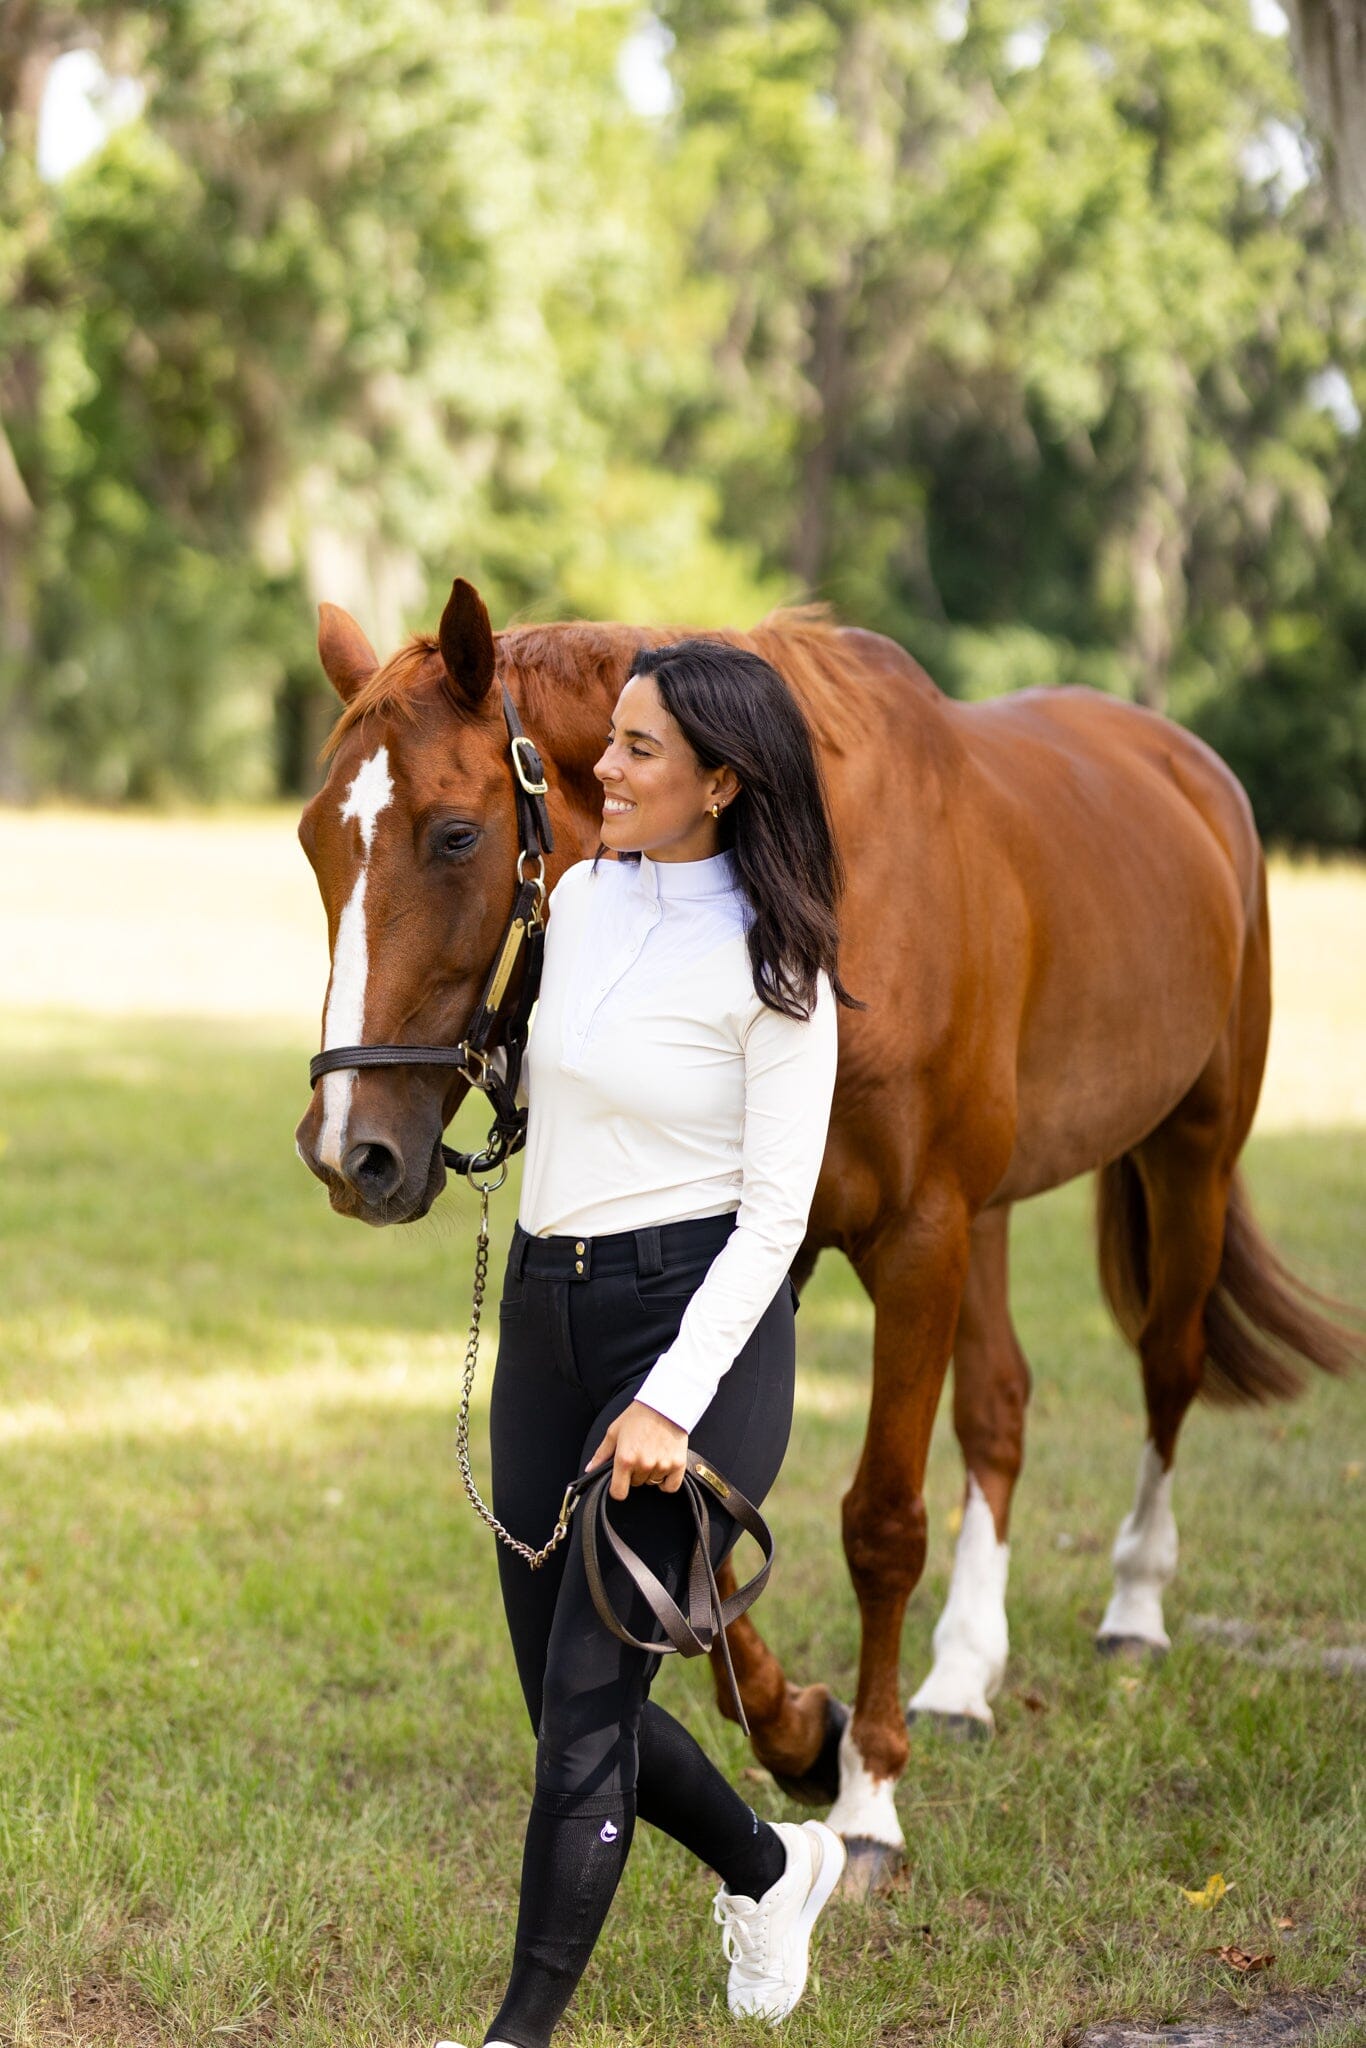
(667, 881)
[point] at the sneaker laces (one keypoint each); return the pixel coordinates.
(733, 1913)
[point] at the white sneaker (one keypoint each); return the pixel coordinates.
(766, 1940)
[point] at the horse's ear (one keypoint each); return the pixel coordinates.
(345, 653)
(466, 641)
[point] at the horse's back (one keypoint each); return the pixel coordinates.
(1092, 864)
(1075, 746)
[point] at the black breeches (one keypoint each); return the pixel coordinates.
(573, 1350)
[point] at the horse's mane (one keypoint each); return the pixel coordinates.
(572, 658)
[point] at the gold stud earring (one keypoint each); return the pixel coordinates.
(716, 810)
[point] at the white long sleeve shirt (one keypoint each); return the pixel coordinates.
(659, 1087)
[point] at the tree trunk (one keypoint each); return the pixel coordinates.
(1157, 549)
(829, 375)
(24, 66)
(1329, 38)
(33, 34)
(832, 370)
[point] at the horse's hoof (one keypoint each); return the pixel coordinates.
(959, 1727)
(820, 1785)
(1130, 1649)
(869, 1868)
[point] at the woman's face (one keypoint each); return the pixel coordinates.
(657, 797)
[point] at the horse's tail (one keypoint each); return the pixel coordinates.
(1262, 1322)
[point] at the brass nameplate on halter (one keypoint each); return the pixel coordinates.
(507, 959)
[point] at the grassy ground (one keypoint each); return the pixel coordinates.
(263, 1769)
(263, 1758)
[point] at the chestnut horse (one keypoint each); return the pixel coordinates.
(1057, 916)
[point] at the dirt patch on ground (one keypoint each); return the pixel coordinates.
(1245, 1640)
(1277, 2023)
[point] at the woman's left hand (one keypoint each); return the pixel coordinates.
(646, 1449)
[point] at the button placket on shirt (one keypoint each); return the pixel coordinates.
(644, 915)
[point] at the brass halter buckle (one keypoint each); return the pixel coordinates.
(540, 788)
(474, 1065)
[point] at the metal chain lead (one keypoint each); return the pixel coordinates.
(535, 1558)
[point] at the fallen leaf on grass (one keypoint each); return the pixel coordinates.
(953, 1521)
(1214, 1891)
(1242, 1959)
(1033, 1702)
(1285, 1923)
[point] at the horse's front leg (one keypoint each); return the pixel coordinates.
(990, 1395)
(915, 1275)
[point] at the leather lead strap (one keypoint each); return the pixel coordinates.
(704, 1625)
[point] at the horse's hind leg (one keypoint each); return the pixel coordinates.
(990, 1395)
(1184, 1170)
(1164, 1209)
(1185, 1192)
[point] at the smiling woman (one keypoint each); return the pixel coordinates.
(681, 1069)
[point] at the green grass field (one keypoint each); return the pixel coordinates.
(264, 1762)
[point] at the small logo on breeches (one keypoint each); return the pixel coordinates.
(607, 1832)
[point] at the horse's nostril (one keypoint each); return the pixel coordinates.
(374, 1171)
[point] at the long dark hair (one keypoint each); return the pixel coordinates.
(735, 710)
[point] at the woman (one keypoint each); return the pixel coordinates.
(680, 1070)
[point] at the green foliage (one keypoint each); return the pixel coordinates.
(1294, 732)
(1043, 361)
(1000, 327)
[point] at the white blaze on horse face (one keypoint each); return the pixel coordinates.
(1144, 1558)
(971, 1638)
(371, 792)
(866, 1805)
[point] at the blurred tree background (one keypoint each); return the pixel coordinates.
(1028, 334)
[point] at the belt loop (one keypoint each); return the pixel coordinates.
(517, 1250)
(649, 1256)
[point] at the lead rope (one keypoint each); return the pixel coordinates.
(535, 1558)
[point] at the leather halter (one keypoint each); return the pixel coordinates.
(489, 1030)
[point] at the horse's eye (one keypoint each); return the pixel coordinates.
(453, 840)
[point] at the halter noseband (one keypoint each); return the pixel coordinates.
(473, 1056)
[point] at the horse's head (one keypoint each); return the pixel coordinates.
(414, 842)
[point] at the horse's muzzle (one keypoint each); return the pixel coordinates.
(375, 1184)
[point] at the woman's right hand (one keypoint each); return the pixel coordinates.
(646, 1450)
